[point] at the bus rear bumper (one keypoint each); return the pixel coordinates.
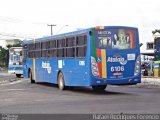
(124, 81)
(127, 81)
(15, 72)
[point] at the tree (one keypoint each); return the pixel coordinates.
(3, 57)
(156, 30)
(15, 45)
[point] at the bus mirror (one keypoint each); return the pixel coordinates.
(25, 46)
(90, 33)
(140, 44)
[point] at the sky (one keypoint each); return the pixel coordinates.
(29, 18)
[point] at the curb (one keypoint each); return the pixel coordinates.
(148, 83)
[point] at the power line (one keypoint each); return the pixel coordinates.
(15, 36)
(61, 28)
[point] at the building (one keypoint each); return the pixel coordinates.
(157, 54)
(147, 54)
(150, 56)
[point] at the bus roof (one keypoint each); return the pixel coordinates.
(73, 33)
(16, 48)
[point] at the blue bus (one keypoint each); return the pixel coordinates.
(15, 61)
(97, 57)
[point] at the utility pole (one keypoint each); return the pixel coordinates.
(51, 25)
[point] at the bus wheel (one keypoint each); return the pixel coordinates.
(99, 87)
(30, 76)
(61, 83)
(18, 75)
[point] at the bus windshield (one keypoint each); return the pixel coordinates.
(15, 57)
(115, 38)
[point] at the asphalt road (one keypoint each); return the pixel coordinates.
(25, 98)
(5, 77)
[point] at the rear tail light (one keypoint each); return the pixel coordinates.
(137, 66)
(94, 67)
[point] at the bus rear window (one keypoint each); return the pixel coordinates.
(116, 39)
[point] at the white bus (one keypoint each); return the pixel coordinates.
(15, 61)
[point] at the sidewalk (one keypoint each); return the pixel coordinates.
(149, 82)
(4, 72)
(151, 79)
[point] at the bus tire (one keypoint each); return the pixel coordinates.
(61, 83)
(18, 75)
(99, 87)
(30, 76)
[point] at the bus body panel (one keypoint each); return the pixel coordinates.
(14, 69)
(27, 67)
(124, 81)
(115, 65)
(76, 72)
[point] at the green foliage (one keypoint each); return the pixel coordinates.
(3, 57)
(156, 30)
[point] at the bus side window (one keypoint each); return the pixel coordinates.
(81, 51)
(38, 50)
(81, 46)
(70, 52)
(61, 52)
(43, 49)
(31, 50)
(44, 45)
(53, 44)
(53, 48)
(60, 48)
(53, 53)
(48, 53)
(43, 54)
(24, 53)
(70, 47)
(61, 43)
